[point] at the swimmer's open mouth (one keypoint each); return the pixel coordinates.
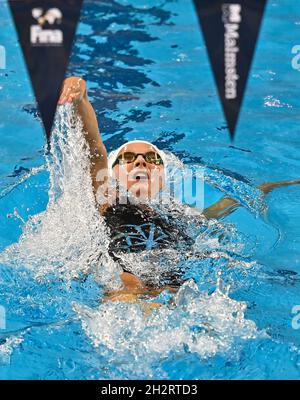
(140, 176)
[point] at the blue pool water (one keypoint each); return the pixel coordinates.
(149, 77)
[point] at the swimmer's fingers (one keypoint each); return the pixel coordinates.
(65, 95)
(148, 308)
(268, 187)
(74, 97)
(65, 91)
(73, 90)
(69, 95)
(127, 297)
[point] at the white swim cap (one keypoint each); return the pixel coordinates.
(113, 154)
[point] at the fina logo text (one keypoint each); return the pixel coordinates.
(232, 19)
(49, 37)
(2, 57)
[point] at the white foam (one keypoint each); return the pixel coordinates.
(70, 237)
(197, 322)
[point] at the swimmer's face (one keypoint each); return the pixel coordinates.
(142, 178)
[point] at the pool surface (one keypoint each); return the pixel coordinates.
(149, 78)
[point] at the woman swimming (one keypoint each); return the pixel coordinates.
(138, 168)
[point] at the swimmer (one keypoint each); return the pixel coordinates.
(138, 167)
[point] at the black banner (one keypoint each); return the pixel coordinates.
(132, 389)
(46, 29)
(230, 30)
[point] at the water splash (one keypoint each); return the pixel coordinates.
(7, 189)
(195, 322)
(271, 101)
(70, 237)
(7, 347)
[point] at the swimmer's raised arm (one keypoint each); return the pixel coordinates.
(74, 91)
(227, 205)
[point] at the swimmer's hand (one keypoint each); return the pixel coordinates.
(132, 297)
(226, 206)
(131, 291)
(73, 90)
(268, 187)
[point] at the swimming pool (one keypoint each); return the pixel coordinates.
(149, 77)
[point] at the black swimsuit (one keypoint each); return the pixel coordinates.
(136, 228)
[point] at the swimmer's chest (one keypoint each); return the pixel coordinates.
(134, 229)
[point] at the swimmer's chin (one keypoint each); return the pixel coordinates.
(139, 188)
(141, 193)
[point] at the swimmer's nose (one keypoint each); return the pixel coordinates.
(140, 162)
